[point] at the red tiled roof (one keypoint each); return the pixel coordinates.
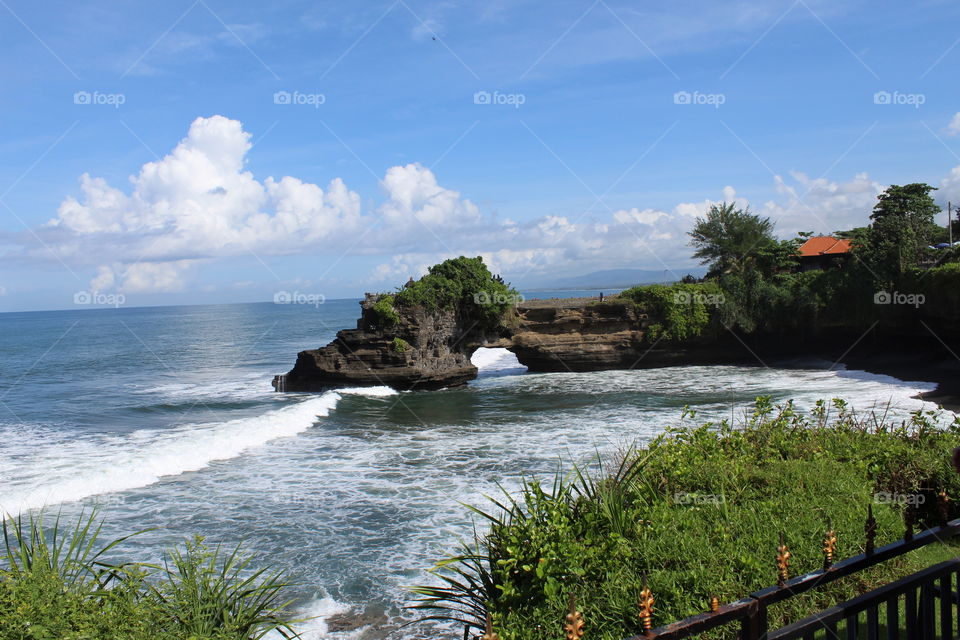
(823, 246)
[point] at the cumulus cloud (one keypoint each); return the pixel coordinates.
(822, 205)
(199, 203)
(950, 186)
(414, 195)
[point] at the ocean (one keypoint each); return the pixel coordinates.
(165, 418)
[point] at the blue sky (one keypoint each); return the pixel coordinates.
(205, 151)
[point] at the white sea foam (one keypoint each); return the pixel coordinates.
(316, 615)
(69, 467)
(373, 392)
(240, 386)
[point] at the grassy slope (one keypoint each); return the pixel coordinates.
(700, 513)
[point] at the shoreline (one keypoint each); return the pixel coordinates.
(945, 374)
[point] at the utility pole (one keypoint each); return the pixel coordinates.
(949, 223)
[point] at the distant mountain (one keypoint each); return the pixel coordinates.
(610, 279)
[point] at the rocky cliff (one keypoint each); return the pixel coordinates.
(428, 350)
(423, 350)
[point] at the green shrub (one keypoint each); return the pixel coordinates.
(386, 316)
(464, 284)
(57, 585)
(940, 286)
(682, 310)
(699, 512)
(206, 592)
(400, 345)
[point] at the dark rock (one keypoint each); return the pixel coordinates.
(579, 335)
(434, 352)
(548, 335)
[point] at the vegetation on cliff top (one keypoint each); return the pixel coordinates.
(56, 583)
(699, 512)
(462, 284)
(755, 281)
(682, 310)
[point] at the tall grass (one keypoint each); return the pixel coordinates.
(698, 512)
(205, 591)
(57, 582)
(68, 553)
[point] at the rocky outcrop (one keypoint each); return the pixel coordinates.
(432, 349)
(557, 336)
(424, 350)
(589, 335)
(429, 350)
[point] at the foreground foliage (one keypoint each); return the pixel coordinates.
(699, 511)
(56, 584)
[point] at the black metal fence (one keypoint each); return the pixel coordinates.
(923, 606)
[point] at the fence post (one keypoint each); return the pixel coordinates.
(871, 530)
(754, 626)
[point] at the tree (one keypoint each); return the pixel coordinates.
(912, 201)
(903, 226)
(731, 240)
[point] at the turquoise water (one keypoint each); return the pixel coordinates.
(165, 417)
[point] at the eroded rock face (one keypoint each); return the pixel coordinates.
(545, 335)
(586, 337)
(552, 335)
(433, 351)
(434, 348)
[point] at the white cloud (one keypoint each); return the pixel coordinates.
(104, 280)
(199, 203)
(950, 186)
(953, 128)
(822, 205)
(146, 277)
(414, 195)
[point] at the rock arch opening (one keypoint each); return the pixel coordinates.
(496, 361)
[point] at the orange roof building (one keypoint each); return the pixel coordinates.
(823, 252)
